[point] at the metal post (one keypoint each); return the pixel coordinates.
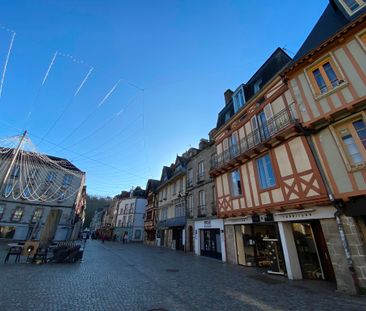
(16, 152)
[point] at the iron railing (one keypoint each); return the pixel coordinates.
(258, 136)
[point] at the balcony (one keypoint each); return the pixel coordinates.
(279, 126)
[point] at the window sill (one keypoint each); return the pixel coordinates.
(330, 92)
(357, 167)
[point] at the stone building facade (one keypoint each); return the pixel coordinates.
(204, 231)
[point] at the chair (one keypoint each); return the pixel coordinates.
(14, 251)
(41, 253)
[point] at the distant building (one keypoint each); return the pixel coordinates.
(150, 213)
(96, 222)
(172, 205)
(130, 215)
(205, 232)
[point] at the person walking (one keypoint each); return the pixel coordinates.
(103, 238)
(125, 238)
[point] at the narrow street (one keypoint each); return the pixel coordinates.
(114, 276)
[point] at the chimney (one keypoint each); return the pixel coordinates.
(203, 144)
(228, 95)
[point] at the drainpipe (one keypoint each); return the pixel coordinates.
(338, 205)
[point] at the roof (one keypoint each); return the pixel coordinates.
(60, 161)
(270, 68)
(152, 184)
(333, 19)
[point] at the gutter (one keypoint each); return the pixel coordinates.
(338, 205)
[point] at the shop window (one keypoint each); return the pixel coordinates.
(324, 76)
(18, 214)
(352, 138)
(265, 171)
(7, 232)
(352, 6)
(236, 183)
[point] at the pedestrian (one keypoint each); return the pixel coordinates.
(114, 237)
(103, 238)
(125, 238)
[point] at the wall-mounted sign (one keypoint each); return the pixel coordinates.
(255, 218)
(207, 224)
(269, 217)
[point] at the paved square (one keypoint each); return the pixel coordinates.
(114, 276)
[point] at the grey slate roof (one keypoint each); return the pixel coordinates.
(271, 67)
(333, 19)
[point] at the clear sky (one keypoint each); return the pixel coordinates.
(173, 60)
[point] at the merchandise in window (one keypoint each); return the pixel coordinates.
(18, 214)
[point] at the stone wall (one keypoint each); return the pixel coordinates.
(230, 244)
(337, 253)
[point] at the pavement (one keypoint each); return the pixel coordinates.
(115, 276)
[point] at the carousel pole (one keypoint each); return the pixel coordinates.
(16, 152)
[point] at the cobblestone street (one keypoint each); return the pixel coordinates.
(113, 276)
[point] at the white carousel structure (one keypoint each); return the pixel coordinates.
(42, 197)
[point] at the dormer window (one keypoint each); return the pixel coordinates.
(353, 6)
(227, 116)
(238, 99)
(257, 85)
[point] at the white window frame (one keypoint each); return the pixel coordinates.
(347, 8)
(236, 104)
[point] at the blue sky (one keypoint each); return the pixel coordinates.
(171, 61)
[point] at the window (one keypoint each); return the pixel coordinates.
(2, 209)
(61, 196)
(190, 205)
(234, 148)
(202, 203)
(26, 192)
(180, 185)
(353, 5)
(353, 139)
(201, 170)
(235, 183)
(37, 215)
(227, 116)
(257, 85)
(190, 178)
(130, 221)
(51, 176)
(265, 171)
(18, 214)
(238, 99)
(124, 221)
(174, 188)
(16, 171)
(8, 189)
(363, 38)
(126, 209)
(132, 208)
(67, 180)
(324, 76)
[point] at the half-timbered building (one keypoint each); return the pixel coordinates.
(150, 213)
(269, 188)
(327, 79)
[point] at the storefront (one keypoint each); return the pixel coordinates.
(259, 245)
(209, 238)
(171, 233)
(292, 243)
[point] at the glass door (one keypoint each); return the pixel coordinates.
(307, 251)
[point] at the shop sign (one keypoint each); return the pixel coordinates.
(255, 218)
(207, 224)
(269, 217)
